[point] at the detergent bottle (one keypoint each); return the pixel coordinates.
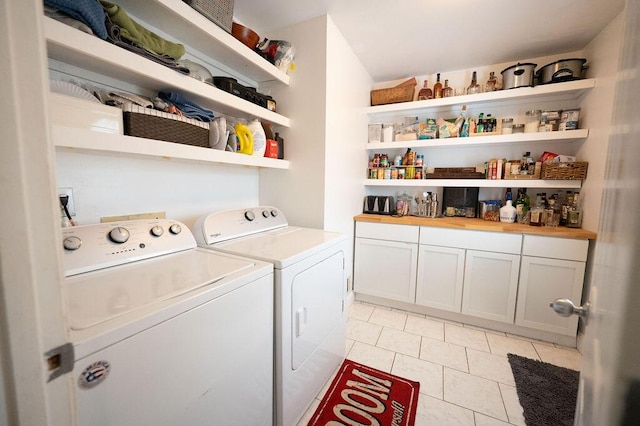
(245, 139)
(259, 138)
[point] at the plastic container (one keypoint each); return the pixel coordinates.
(492, 211)
(259, 138)
(507, 126)
(518, 128)
(532, 121)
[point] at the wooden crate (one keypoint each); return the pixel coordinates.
(517, 176)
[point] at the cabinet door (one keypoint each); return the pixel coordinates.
(541, 282)
(490, 285)
(440, 277)
(385, 269)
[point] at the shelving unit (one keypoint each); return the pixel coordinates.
(571, 90)
(79, 140)
(71, 46)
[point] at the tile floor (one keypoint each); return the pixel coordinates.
(465, 377)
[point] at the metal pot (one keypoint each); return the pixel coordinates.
(562, 70)
(518, 75)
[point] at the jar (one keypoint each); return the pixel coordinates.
(532, 121)
(492, 211)
(387, 132)
(507, 126)
(518, 128)
(397, 160)
(450, 211)
(380, 173)
(387, 173)
(394, 173)
(384, 160)
(419, 160)
(400, 173)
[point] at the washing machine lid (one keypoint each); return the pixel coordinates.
(283, 246)
(99, 296)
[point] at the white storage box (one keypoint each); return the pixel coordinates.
(69, 111)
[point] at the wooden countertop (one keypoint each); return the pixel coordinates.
(479, 225)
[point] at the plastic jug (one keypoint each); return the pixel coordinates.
(245, 139)
(259, 138)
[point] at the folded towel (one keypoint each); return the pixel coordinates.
(88, 11)
(114, 36)
(188, 108)
(133, 31)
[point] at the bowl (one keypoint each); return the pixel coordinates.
(246, 35)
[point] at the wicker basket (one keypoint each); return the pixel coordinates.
(153, 124)
(392, 95)
(564, 171)
(218, 11)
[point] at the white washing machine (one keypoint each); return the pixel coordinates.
(166, 333)
(310, 284)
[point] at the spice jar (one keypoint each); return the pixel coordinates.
(532, 121)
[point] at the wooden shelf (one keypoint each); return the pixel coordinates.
(513, 139)
(193, 29)
(71, 46)
(79, 140)
(523, 95)
(476, 183)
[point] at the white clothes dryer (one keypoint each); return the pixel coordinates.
(165, 333)
(310, 283)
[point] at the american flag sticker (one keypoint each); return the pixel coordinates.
(94, 374)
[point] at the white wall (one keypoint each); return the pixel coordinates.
(299, 191)
(113, 186)
(604, 57)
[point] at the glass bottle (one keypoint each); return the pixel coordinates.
(437, 88)
(522, 205)
(491, 83)
(574, 215)
(474, 87)
(564, 210)
(447, 91)
(537, 212)
(552, 216)
(425, 93)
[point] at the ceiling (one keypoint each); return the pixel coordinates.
(395, 39)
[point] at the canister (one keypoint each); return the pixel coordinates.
(518, 128)
(387, 132)
(507, 126)
(532, 121)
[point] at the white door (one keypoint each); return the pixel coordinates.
(440, 277)
(385, 269)
(611, 349)
(30, 262)
(490, 285)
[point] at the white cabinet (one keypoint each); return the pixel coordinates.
(551, 268)
(440, 277)
(490, 285)
(385, 261)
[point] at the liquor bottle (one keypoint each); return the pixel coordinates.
(480, 125)
(521, 205)
(491, 83)
(425, 93)
(437, 88)
(447, 91)
(564, 210)
(552, 213)
(474, 87)
(574, 215)
(508, 213)
(508, 195)
(537, 212)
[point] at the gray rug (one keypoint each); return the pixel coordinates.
(547, 393)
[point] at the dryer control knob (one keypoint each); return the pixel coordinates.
(265, 214)
(175, 229)
(119, 235)
(274, 212)
(156, 231)
(249, 215)
(72, 243)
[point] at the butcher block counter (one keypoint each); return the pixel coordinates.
(479, 225)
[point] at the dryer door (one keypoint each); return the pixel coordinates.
(316, 304)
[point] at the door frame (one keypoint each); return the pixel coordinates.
(31, 309)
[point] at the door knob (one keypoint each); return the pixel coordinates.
(566, 308)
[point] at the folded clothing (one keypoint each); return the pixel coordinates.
(133, 31)
(89, 12)
(188, 108)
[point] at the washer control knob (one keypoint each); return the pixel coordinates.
(119, 235)
(249, 215)
(175, 229)
(72, 243)
(274, 212)
(265, 214)
(156, 231)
